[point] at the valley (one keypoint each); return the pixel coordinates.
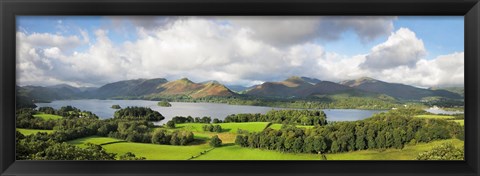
(299, 118)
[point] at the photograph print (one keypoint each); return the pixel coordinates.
(240, 88)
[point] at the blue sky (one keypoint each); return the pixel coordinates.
(235, 50)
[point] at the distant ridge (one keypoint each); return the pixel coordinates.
(294, 86)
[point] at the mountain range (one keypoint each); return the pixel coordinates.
(293, 87)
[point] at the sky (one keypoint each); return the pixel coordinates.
(423, 51)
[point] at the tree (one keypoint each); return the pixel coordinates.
(170, 124)
(215, 141)
(164, 104)
(130, 156)
(160, 137)
(445, 151)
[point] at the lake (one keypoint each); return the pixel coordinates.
(214, 110)
(436, 110)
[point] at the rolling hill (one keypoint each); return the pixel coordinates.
(399, 91)
(128, 88)
(293, 87)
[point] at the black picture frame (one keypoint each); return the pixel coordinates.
(470, 9)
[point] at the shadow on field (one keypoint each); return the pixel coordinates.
(197, 142)
(226, 130)
(227, 145)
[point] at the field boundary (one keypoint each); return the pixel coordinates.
(201, 153)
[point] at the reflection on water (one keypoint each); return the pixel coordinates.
(213, 110)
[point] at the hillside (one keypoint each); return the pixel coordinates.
(293, 87)
(127, 88)
(297, 87)
(212, 89)
(399, 91)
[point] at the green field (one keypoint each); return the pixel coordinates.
(226, 127)
(235, 152)
(407, 153)
(230, 151)
(435, 116)
(27, 132)
(461, 122)
(47, 116)
(94, 140)
(156, 151)
(279, 126)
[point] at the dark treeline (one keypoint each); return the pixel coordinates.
(25, 118)
(138, 113)
(393, 129)
(329, 102)
(300, 117)
(42, 146)
(68, 112)
(162, 136)
(190, 119)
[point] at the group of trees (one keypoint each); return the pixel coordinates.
(25, 119)
(212, 128)
(41, 146)
(445, 151)
(311, 102)
(162, 136)
(138, 113)
(68, 112)
(116, 106)
(190, 119)
(164, 104)
(215, 141)
(301, 117)
(393, 129)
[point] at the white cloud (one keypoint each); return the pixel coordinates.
(287, 31)
(445, 70)
(402, 48)
(233, 52)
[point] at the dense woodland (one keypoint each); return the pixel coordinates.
(300, 117)
(131, 124)
(393, 129)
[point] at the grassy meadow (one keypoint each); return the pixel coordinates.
(94, 140)
(47, 116)
(435, 116)
(230, 151)
(33, 131)
(226, 127)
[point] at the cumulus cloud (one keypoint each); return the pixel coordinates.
(286, 31)
(233, 51)
(402, 48)
(445, 70)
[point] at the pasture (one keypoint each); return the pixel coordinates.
(156, 151)
(435, 116)
(226, 127)
(94, 140)
(27, 132)
(47, 116)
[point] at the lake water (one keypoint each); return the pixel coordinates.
(215, 110)
(435, 110)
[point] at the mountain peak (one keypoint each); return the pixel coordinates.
(294, 81)
(184, 80)
(210, 82)
(312, 81)
(365, 78)
(293, 78)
